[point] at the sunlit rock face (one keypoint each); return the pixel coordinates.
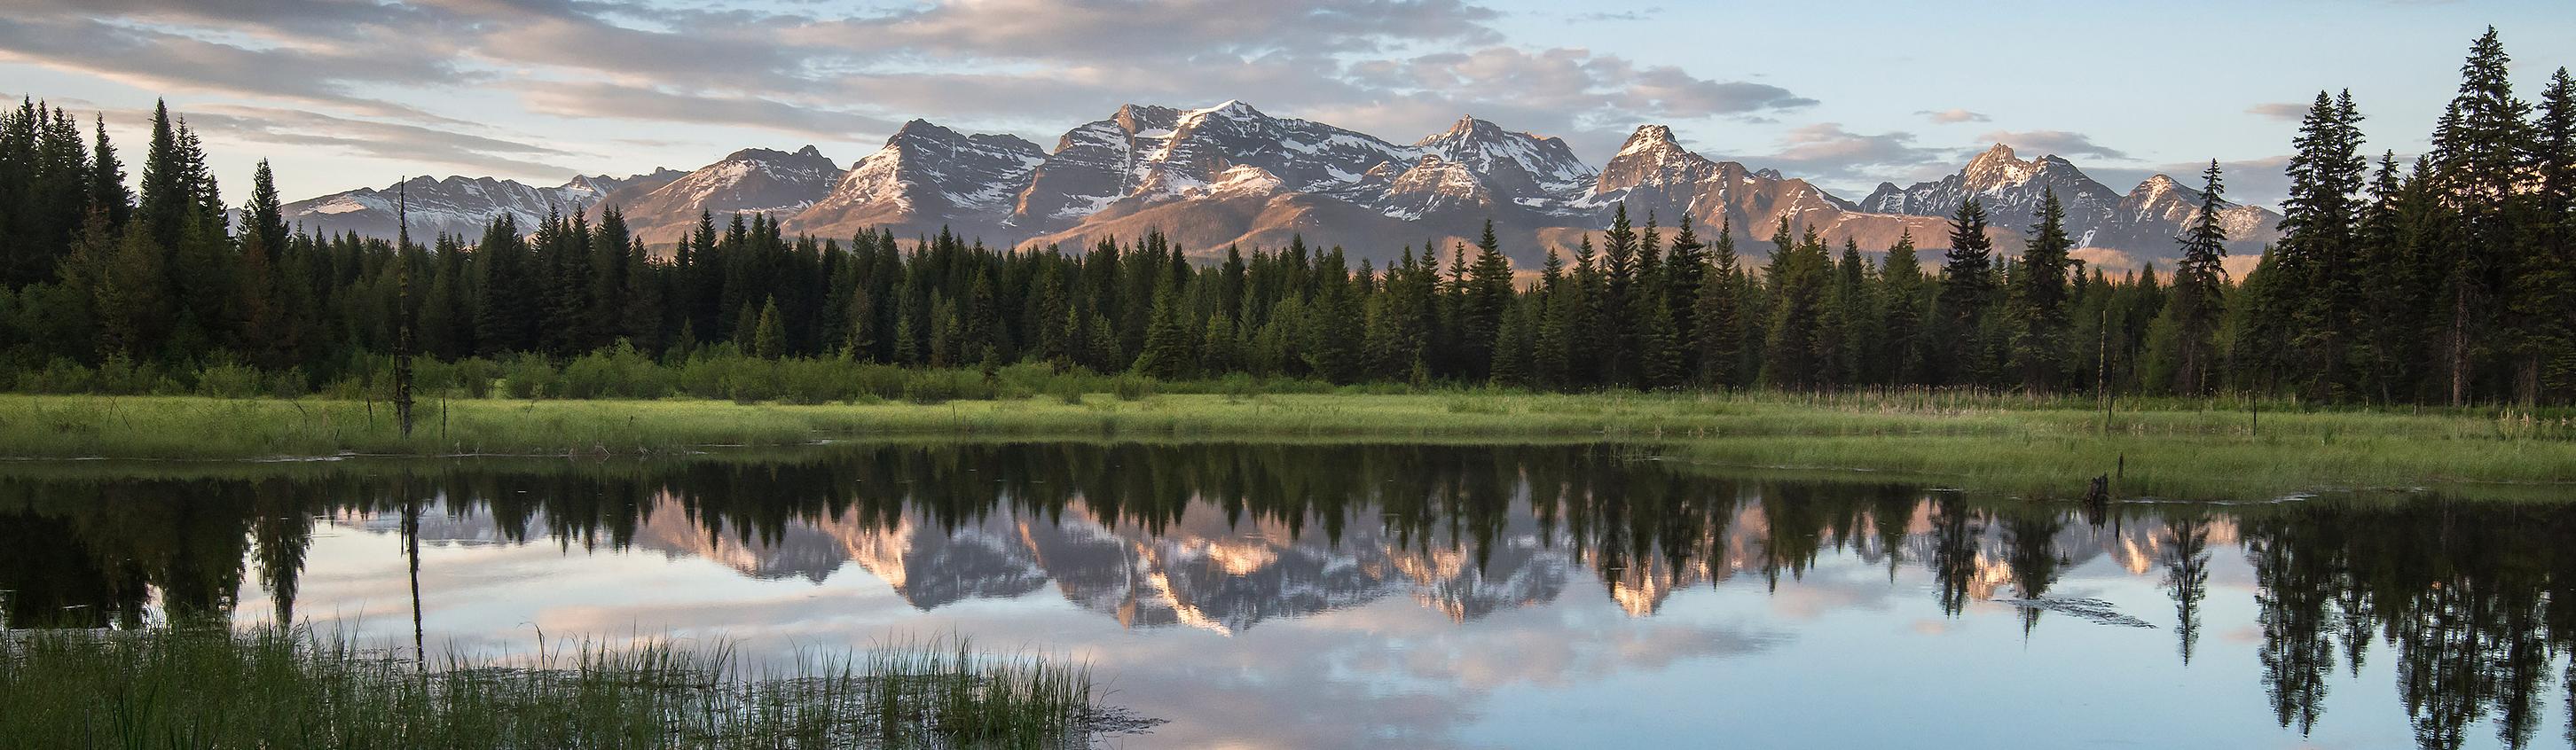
(1231, 174)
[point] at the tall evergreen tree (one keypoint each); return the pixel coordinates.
(2185, 336)
(2478, 158)
(1905, 298)
(1966, 298)
(2039, 300)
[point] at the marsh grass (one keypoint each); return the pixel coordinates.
(274, 688)
(2174, 447)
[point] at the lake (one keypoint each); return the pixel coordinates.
(1339, 595)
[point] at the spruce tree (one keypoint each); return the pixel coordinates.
(1798, 278)
(1614, 330)
(1487, 297)
(107, 192)
(1904, 298)
(2478, 157)
(2187, 332)
(2039, 300)
(1717, 328)
(2543, 298)
(1965, 299)
(1167, 341)
(2310, 296)
(769, 334)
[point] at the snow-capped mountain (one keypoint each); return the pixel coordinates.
(2144, 221)
(1230, 174)
(925, 177)
(1654, 175)
(454, 205)
(750, 181)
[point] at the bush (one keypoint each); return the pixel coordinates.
(1132, 387)
(748, 380)
(62, 375)
(815, 381)
(228, 380)
(528, 376)
(288, 383)
(617, 371)
(933, 387)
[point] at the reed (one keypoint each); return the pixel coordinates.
(292, 688)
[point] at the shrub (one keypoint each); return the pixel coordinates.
(616, 371)
(61, 375)
(528, 376)
(228, 380)
(288, 383)
(815, 381)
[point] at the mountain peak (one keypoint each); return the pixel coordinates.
(2000, 153)
(768, 154)
(809, 151)
(1650, 138)
(1138, 118)
(1230, 108)
(920, 128)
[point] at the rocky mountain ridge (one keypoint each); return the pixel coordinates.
(1230, 174)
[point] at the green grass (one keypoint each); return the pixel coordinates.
(1995, 442)
(283, 689)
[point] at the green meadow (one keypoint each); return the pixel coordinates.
(2182, 448)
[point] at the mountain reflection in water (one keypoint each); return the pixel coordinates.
(1396, 594)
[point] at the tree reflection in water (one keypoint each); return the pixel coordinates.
(2471, 598)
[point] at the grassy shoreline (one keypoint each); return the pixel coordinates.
(292, 688)
(1994, 442)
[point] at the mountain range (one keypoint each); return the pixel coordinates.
(1232, 175)
(1205, 570)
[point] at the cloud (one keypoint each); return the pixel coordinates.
(319, 72)
(1027, 66)
(2289, 111)
(1640, 14)
(2059, 142)
(368, 138)
(1953, 115)
(659, 104)
(1134, 29)
(1826, 152)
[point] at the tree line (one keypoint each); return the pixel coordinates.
(2444, 282)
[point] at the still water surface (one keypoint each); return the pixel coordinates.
(1305, 596)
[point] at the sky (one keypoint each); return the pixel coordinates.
(340, 94)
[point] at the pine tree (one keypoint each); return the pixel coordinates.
(2039, 299)
(2478, 157)
(1904, 297)
(1965, 299)
(1167, 341)
(1799, 277)
(1614, 330)
(1488, 297)
(2543, 294)
(1216, 350)
(107, 193)
(1513, 341)
(268, 335)
(1548, 334)
(2311, 296)
(1717, 328)
(769, 334)
(2185, 336)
